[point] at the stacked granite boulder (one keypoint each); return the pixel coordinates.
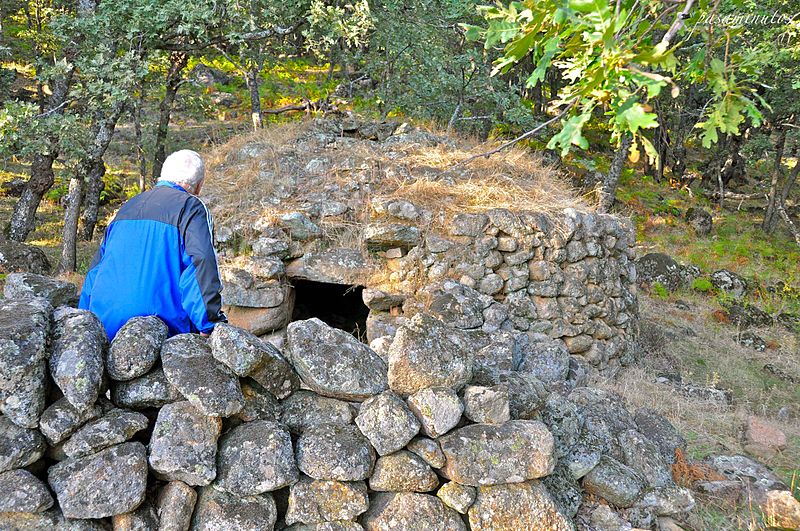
(230, 432)
(571, 277)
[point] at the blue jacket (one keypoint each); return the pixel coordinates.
(157, 258)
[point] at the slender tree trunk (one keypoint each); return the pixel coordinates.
(789, 183)
(178, 63)
(23, 219)
(456, 113)
(68, 259)
(91, 200)
(614, 173)
(137, 131)
(769, 224)
(251, 79)
(95, 168)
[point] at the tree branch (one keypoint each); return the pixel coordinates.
(677, 24)
(510, 143)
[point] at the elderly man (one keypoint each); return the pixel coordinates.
(157, 256)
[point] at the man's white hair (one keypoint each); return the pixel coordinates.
(184, 167)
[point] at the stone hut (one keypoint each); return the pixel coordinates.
(505, 246)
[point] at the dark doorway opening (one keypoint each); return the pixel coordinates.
(337, 305)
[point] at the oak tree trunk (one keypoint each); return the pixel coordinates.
(74, 198)
(768, 224)
(23, 219)
(94, 168)
(137, 132)
(611, 180)
(91, 200)
(251, 79)
(178, 63)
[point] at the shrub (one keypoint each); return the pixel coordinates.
(659, 290)
(702, 285)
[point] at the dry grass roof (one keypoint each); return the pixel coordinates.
(296, 166)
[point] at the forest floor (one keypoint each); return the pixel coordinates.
(690, 343)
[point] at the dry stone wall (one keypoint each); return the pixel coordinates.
(570, 279)
(232, 432)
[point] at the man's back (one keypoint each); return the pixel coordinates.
(157, 258)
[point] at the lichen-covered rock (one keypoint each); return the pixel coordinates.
(482, 454)
(457, 496)
(744, 469)
(429, 450)
(112, 481)
(333, 363)
(456, 304)
(24, 327)
(380, 301)
(668, 500)
(247, 355)
(116, 426)
(184, 444)
(526, 394)
(437, 408)
(76, 359)
(410, 511)
(44, 521)
(259, 404)
(333, 265)
(338, 525)
(658, 429)
(742, 314)
(300, 227)
(387, 422)
(546, 359)
(334, 452)
(206, 383)
(21, 491)
(30, 285)
(19, 447)
(729, 282)
(254, 458)
(424, 354)
(151, 390)
(175, 505)
(403, 472)
(143, 518)
(782, 509)
(502, 353)
(61, 419)
(314, 501)
(615, 482)
(136, 347)
(379, 236)
(604, 518)
(16, 256)
(643, 456)
(564, 489)
(304, 409)
(241, 288)
(659, 268)
(605, 418)
(517, 506)
(217, 510)
(564, 421)
(487, 405)
(260, 321)
(25, 402)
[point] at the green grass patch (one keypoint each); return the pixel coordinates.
(703, 285)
